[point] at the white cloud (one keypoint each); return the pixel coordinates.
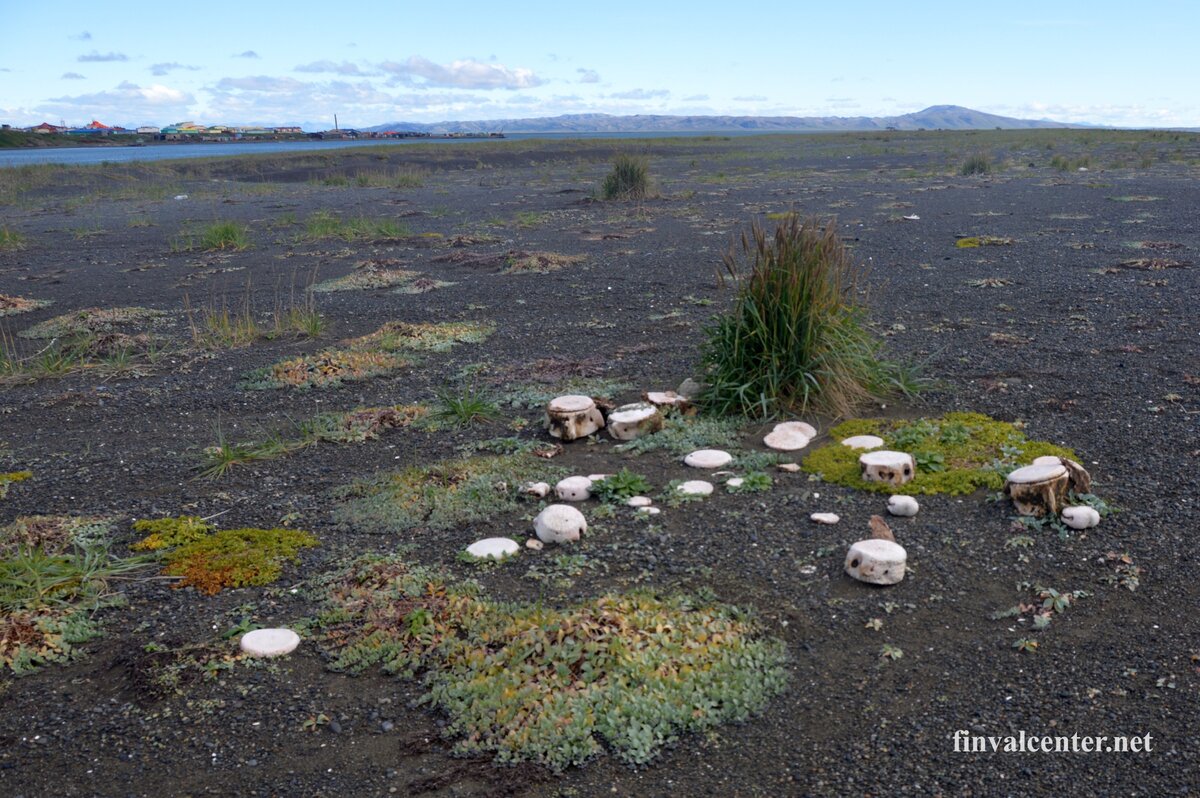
(695, 98)
(344, 68)
(641, 94)
(166, 68)
(72, 76)
(463, 74)
(95, 57)
(128, 103)
(588, 75)
(247, 54)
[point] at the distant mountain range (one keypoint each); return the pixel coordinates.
(944, 117)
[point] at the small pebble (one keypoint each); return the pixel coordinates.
(825, 518)
(535, 544)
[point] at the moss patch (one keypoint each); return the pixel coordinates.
(12, 305)
(442, 495)
(236, 558)
(531, 683)
(90, 321)
(956, 453)
(398, 335)
(10, 478)
(538, 262)
(327, 368)
(165, 533)
(970, 242)
(367, 278)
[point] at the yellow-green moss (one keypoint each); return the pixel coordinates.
(10, 478)
(972, 450)
(236, 557)
(165, 533)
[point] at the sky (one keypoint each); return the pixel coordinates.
(372, 62)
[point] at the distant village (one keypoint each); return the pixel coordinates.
(190, 131)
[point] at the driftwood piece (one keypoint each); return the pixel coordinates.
(895, 468)
(1038, 490)
(880, 530)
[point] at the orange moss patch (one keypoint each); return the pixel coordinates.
(236, 558)
(332, 367)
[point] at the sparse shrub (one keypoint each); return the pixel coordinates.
(629, 179)
(977, 164)
(546, 685)
(797, 338)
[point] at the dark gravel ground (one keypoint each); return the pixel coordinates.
(1085, 351)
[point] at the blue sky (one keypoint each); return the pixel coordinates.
(265, 62)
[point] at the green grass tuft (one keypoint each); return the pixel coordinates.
(629, 179)
(797, 339)
(977, 164)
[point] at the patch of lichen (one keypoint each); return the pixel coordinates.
(10, 478)
(527, 682)
(956, 454)
(442, 495)
(236, 558)
(165, 533)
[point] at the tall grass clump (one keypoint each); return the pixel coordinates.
(797, 339)
(977, 164)
(629, 179)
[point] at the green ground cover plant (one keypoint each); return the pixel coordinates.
(554, 686)
(442, 495)
(56, 574)
(957, 453)
(797, 339)
(354, 426)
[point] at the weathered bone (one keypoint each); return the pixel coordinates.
(633, 421)
(895, 468)
(877, 562)
(573, 416)
(1038, 490)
